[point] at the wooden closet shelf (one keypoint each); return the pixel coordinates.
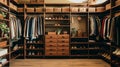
(80, 49)
(57, 19)
(79, 43)
(57, 12)
(4, 5)
(35, 43)
(14, 57)
(6, 11)
(15, 50)
(4, 20)
(34, 55)
(36, 49)
(85, 49)
(5, 55)
(57, 26)
(79, 55)
(5, 63)
(79, 37)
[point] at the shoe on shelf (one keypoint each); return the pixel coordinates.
(116, 51)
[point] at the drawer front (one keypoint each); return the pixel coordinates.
(63, 49)
(51, 37)
(63, 53)
(63, 36)
(51, 49)
(51, 45)
(63, 45)
(51, 40)
(63, 40)
(51, 53)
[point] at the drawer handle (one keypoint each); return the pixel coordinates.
(51, 45)
(63, 45)
(51, 41)
(51, 49)
(63, 49)
(63, 53)
(63, 41)
(63, 37)
(51, 54)
(50, 36)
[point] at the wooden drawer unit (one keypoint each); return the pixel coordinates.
(51, 45)
(63, 40)
(50, 40)
(63, 36)
(51, 37)
(51, 53)
(51, 49)
(63, 53)
(63, 44)
(63, 49)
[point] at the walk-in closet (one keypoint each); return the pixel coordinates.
(59, 33)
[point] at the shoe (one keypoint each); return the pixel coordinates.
(116, 51)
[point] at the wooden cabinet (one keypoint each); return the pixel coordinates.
(57, 45)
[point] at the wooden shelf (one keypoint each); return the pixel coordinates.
(34, 55)
(35, 12)
(4, 20)
(57, 12)
(80, 49)
(57, 26)
(85, 49)
(79, 43)
(5, 63)
(5, 55)
(5, 46)
(14, 57)
(79, 55)
(4, 5)
(3, 39)
(79, 37)
(94, 49)
(57, 19)
(35, 43)
(36, 49)
(14, 50)
(6, 11)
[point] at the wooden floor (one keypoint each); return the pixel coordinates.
(59, 63)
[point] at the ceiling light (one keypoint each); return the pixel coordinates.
(96, 1)
(78, 1)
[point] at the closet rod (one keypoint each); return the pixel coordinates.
(35, 15)
(78, 15)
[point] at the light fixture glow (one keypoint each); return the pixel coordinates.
(98, 2)
(77, 1)
(92, 2)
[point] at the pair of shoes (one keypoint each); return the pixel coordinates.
(74, 47)
(106, 55)
(117, 52)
